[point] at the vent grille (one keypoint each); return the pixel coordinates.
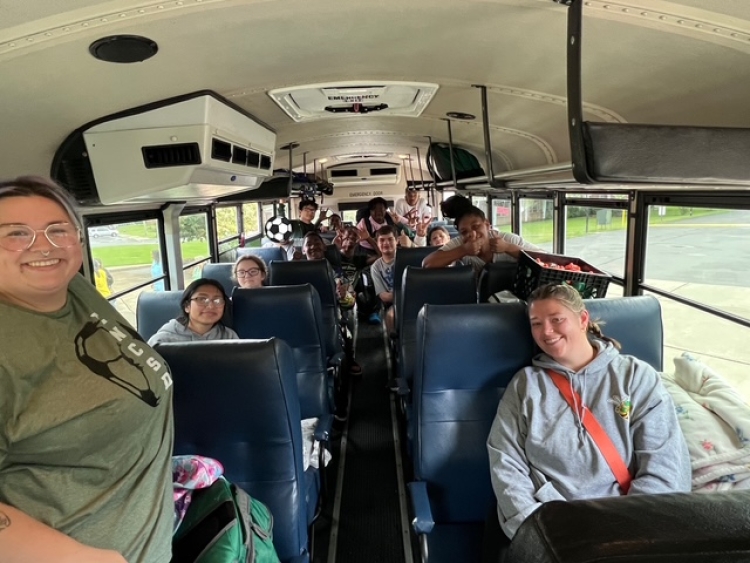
(345, 173)
(221, 150)
(383, 171)
(236, 154)
(165, 156)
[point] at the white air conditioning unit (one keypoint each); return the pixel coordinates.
(359, 173)
(197, 146)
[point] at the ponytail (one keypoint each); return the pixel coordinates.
(594, 327)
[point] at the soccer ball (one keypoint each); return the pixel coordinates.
(279, 229)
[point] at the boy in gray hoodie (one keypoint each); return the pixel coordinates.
(538, 446)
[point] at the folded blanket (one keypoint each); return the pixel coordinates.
(715, 422)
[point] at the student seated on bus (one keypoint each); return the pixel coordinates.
(438, 236)
(541, 447)
(250, 271)
(383, 272)
(477, 244)
(201, 312)
(85, 405)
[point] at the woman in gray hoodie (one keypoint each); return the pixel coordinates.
(538, 446)
(202, 307)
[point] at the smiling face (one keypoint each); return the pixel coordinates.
(439, 237)
(411, 197)
(387, 245)
(378, 213)
(249, 274)
(205, 308)
(559, 331)
(350, 241)
(307, 213)
(37, 278)
(314, 248)
(473, 226)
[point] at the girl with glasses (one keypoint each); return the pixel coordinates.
(202, 312)
(249, 272)
(85, 405)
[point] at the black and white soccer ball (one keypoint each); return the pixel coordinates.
(279, 229)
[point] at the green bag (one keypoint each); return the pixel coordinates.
(225, 525)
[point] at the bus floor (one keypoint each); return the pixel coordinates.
(364, 518)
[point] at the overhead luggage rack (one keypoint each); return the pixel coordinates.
(647, 154)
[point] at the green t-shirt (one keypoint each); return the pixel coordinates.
(86, 426)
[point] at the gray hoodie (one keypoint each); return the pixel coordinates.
(539, 450)
(175, 331)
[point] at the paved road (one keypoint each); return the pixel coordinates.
(712, 249)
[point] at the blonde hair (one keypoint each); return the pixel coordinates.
(569, 297)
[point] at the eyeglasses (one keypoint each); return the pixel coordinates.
(251, 273)
(207, 301)
(18, 238)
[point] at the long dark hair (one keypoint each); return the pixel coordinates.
(190, 290)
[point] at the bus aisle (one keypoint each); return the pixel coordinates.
(365, 519)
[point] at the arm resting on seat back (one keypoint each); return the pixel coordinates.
(443, 258)
(420, 502)
(23, 540)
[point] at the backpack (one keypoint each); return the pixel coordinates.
(224, 525)
(439, 162)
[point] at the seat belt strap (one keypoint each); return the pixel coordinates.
(595, 430)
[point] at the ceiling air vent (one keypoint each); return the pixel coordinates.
(164, 156)
(265, 162)
(383, 171)
(253, 159)
(239, 155)
(369, 172)
(221, 150)
(341, 99)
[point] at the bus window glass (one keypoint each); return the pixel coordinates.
(227, 229)
(718, 343)
(226, 223)
(125, 256)
(194, 271)
(702, 255)
(194, 237)
(536, 222)
(251, 219)
(350, 216)
(481, 203)
(267, 211)
(500, 218)
(598, 236)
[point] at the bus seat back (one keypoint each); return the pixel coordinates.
(236, 401)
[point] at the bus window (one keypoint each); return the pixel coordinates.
(125, 256)
(702, 255)
(194, 237)
(228, 232)
(536, 222)
(500, 216)
(598, 236)
(251, 219)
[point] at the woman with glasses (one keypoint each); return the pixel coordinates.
(85, 405)
(202, 311)
(250, 271)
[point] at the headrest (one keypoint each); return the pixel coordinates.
(268, 254)
(315, 272)
(665, 528)
(635, 322)
(222, 273)
(154, 309)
